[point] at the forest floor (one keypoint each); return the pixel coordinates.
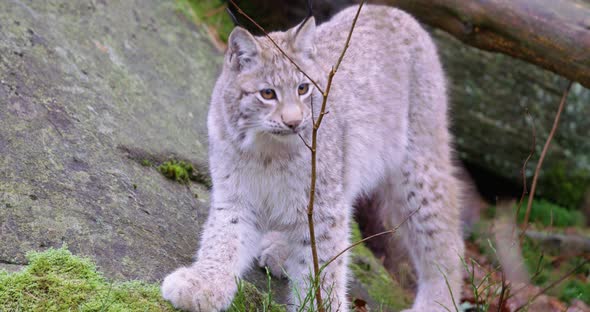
(550, 274)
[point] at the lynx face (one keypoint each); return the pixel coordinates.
(278, 107)
(272, 97)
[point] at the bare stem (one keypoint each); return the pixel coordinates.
(314, 136)
(391, 231)
(542, 157)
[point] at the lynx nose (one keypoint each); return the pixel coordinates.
(291, 123)
(292, 116)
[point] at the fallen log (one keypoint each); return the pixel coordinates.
(553, 34)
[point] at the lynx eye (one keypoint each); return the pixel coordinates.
(303, 88)
(268, 94)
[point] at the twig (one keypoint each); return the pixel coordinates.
(304, 142)
(275, 44)
(316, 126)
(524, 165)
(542, 157)
(503, 293)
(391, 231)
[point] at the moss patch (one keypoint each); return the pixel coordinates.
(251, 299)
(179, 171)
(375, 278)
(183, 172)
(566, 187)
(56, 280)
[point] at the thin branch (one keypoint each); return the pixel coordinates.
(304, 142)
(543, 153)
(347, 44)
(275, 44)
(391, 231)
(526, 161)
(314, 136)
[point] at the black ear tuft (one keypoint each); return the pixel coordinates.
(309, 15)
(232, 16)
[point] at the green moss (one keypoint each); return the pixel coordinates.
(250, 299)
(371, 273)
(545, 213)
(566, 187)
(211, 13)
(179, 171)
(183, 172)
(576, 289)
(549, 214)
(146, 163)
(56, 280)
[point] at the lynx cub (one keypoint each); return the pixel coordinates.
(386, 136)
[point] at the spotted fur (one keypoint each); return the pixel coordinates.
(386, 136)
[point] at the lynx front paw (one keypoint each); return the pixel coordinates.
(191, 290)
(274, 251)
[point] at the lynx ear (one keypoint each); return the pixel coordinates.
(243, 49)
(303, 37)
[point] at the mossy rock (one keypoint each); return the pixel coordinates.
(89, 93)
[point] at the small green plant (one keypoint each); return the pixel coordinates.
(549, 214)
(179, 171)
(250, 299)
(576, 289)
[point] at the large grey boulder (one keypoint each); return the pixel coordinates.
(93, 94)
(89, 89)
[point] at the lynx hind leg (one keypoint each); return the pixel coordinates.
(274, 252)
(426, 188)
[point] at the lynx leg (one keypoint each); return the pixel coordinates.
(274, 252)
(427, 189)
(331, 238)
